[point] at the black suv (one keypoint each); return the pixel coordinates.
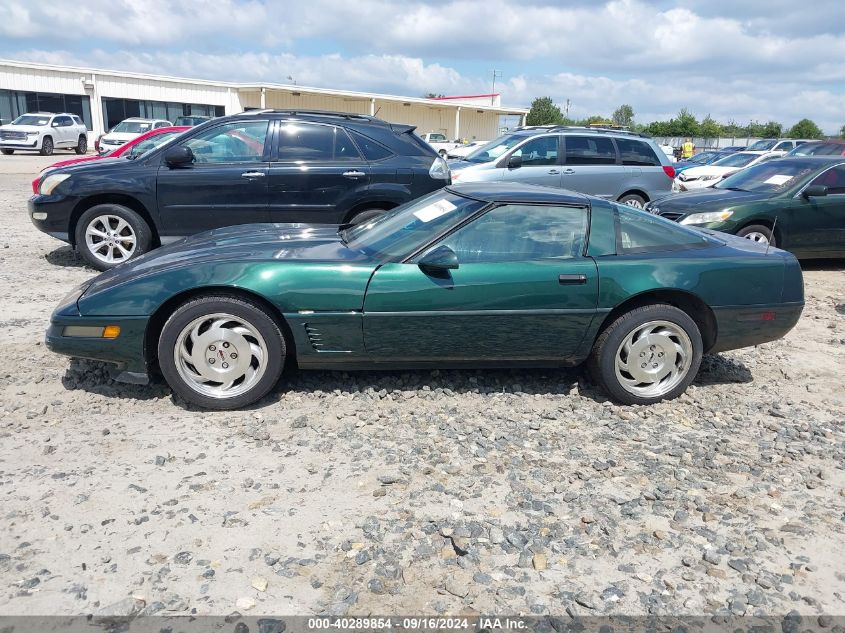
(258, 166)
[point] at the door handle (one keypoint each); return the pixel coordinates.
(252, 174)
(572, 280)
(554, 171)
(568, 172)
(354, 174)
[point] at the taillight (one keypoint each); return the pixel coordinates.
(35, 184)
(669, 171)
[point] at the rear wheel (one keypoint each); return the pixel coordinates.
(221, 352)
(649, 354)
(7, 152)
(758, 233)
(46, 146)
(81, 144)
(110, 234)
(633, 200)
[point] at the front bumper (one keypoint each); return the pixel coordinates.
(7, 144)
(126, 351)
(51, 215)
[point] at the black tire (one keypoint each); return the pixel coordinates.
(46, 146)
(7, 152)
(365, 215)
(139, 228)
(633, 200)
(81, 144)
(251, 313)
(442, 153)
(602, 361)
(756, 231)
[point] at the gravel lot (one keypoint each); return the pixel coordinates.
(419, 492)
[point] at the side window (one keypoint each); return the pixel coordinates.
(589, 150)
(371, 149)
(643, 232)
(783, 146)
(521, 233)
(62, 121)
(436, 138)
(344, 149)
(636, 153)
(304, 142)
(77, 120)
(235, 142)
(539, 151)
(833, 179)
(160, 124)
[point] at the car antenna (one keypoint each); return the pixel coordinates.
(769, 243)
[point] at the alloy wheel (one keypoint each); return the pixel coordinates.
(220, 355)
(110, 238)
(758, 237)
(653, 359)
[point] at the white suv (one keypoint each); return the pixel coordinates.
(126, 130)
(43, 132)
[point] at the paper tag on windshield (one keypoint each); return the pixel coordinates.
(778, 180)
(435, 210)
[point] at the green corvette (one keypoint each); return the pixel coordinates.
(797, 204)
(473, 275)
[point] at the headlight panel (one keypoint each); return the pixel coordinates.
(51, 182)
(707, 218)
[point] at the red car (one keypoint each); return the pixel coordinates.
(161, 135)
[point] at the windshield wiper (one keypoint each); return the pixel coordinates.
(732, 189)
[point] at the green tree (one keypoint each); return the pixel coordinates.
(805, 128)
(544, 112)
(685, 124)
(772, 129)
(842, 131)
(595, 119)
(710, 128)
(623, 115)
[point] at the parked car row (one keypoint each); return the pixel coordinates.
(355, 251)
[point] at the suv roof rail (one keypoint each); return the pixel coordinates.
(317, 113)
(579, 128)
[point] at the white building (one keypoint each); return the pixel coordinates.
(103, 98)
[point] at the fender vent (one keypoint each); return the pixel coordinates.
(314, 336)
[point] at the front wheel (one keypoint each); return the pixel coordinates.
(46, 146)
(221, 352)
(110, 234)
(81, 144)
(758, 233)
(7, 152)
(647, 355)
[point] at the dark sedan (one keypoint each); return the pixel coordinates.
(797, 204)
(474, 275)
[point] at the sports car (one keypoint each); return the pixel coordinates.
(475, 275)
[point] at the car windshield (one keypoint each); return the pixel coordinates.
(401, 231)
(494, 149)
(31, 119)
(818, 149)
(133, 127)
(703, 157)
(761, 146)
(740, 159)
(150, 144)
(770, 177)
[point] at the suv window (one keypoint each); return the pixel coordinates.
(161, 124)
(372, 150)
(589, 150)
(539, 151)
(833, 179)
(77, 120)
(636, 153)
(642, 232)
(63, 121)
(516, 232)
(436, 138)
(310, 142)
(234, 142)
(783, 146)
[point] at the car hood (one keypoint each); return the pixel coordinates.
(720, 198)
(23, 128)
(121, 136)
(246, 242)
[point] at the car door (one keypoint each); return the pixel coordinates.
(817, 225)
(63, 129)
(540, 162)
(315, 174)
(522, 291)
(225, 185)
(590, 166)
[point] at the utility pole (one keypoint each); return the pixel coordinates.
(497, 74)
(566, 109)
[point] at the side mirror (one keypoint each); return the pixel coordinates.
(179, 155)
(815, 191)
(55, 124)
(438, 260)
(514, 162)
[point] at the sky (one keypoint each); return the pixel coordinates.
(740, 60)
